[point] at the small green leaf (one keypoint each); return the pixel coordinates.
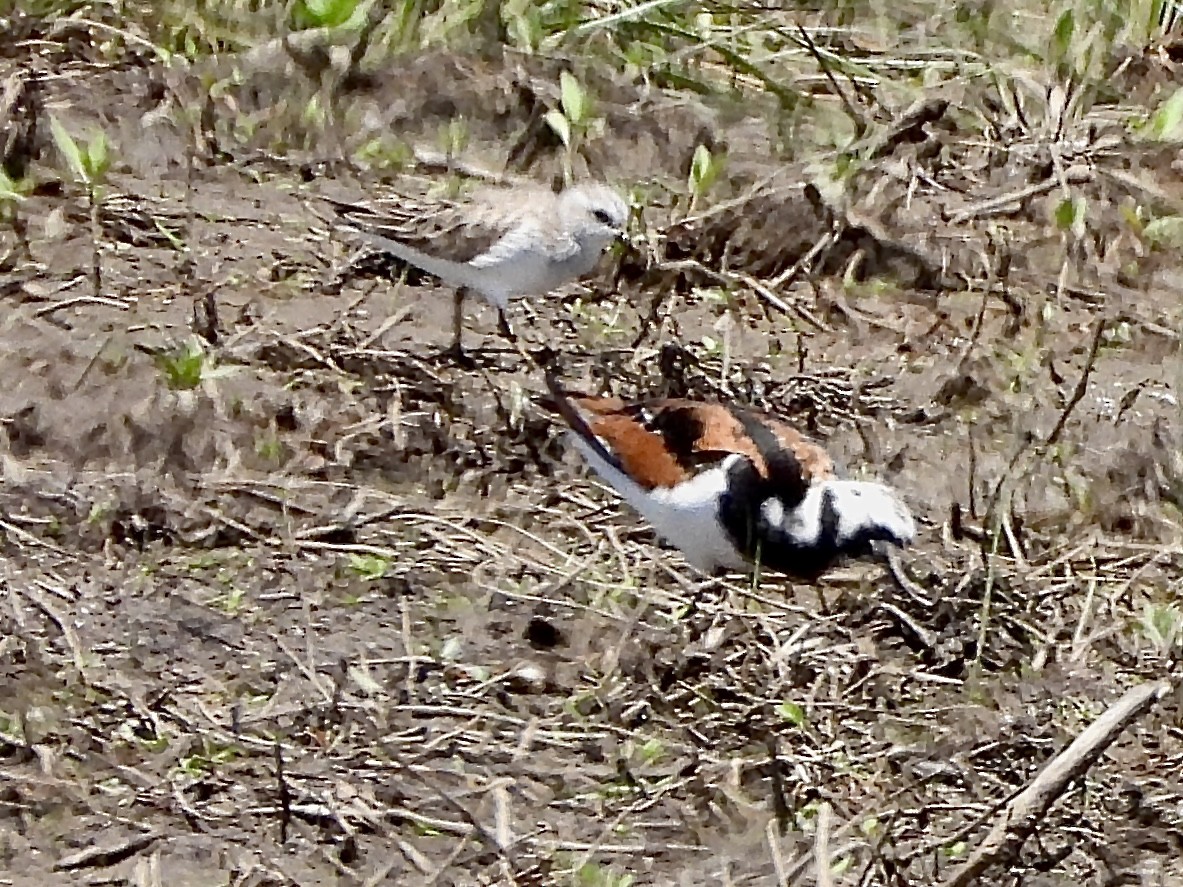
(10, 190)
(328, 13)
(369, 567)
(1064, 214)
(455, 136)
(700, 167)
(1166, 124)
(1165, 232)
(556, 121)
(1062, 34)
(523, 26)
(652, 750)
(840, 866)
(1069, 215)
(452, 649)
(792, 712)
(69, 149)
(1133, 218)
(573, 98)
(1162, 624)
(183, 367)
(98, 157)
(704, 170)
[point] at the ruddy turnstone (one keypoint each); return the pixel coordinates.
(503, 242)
(732, 488)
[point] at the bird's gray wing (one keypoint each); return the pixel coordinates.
(541, 239)
(453, 231)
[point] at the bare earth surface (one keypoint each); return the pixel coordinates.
(345, 614)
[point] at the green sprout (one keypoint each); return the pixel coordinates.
(652, 751)
(792, 713)
(308, 14)
(230, 602)
(386, 153)
(1069, 215)
(1162, 625)
(1165, 123)
(88, 162)
(575, 122)
(454, 138)
(269, 448)
(368, 567)
(592, 874)
(187, 366)
(12, 191)
(1165, 232)
(12, 194)
(523, 24)
(705, 169)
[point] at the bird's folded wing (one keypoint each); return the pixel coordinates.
(456, 232)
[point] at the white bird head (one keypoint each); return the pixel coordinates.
(595, 214)
(867, 512)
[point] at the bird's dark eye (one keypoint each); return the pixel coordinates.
(602, 217)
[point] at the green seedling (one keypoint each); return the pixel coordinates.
(314, 115)
(229, 602)
(269, 448)
(956, 850)
(652, 751)
(792, 713)
(575, 122)
(12, 194)
(368, 567)
(592, 874)
(1165, 123)
(840, 866)
(454, 138)
(209, 759)
(385, 153)
(330, 13)
(705, 169)
(187, 366)
(1061, 43)
(1165, 232)
(1070, 214)
(88, 162)
(1162, 625)
(523, 24)
(182, 368)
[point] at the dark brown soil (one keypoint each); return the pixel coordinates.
(346, 614)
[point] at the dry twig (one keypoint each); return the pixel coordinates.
(1031, 805)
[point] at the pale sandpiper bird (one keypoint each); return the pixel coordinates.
(732, 488)
(503, 242)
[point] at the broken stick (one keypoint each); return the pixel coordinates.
(1029, 806)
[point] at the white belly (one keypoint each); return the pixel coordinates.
(686, 516)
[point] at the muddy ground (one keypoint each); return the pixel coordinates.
(344, 614)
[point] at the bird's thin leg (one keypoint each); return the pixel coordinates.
(505, 329)
(541, 358)
(455, 352)
(458, 320)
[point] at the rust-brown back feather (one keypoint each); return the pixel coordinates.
(663, 442)
(641, 453)
(815, 462)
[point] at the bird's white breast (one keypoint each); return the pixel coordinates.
(685, 516)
